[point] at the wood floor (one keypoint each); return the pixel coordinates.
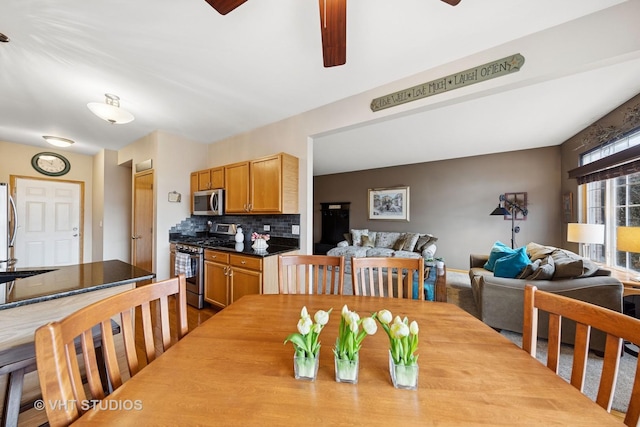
(195, 317)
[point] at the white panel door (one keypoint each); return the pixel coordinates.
(48, 223)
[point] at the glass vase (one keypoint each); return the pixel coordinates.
(403, 376)
(347, 370)
(305, 368)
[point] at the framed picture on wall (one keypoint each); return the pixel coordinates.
(567, 207)
(389, 203)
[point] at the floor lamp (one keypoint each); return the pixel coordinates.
(585, 234)
(510, 208)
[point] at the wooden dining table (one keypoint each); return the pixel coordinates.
(235, 369)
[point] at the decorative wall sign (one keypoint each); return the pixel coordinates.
(491, 70)
(175, 197)
(389, 203)
(517, 199)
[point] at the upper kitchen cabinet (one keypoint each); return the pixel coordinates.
(207, 179)
(268, 185)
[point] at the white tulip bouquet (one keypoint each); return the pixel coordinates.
(403, 337)
(350, 336)
(305, 341)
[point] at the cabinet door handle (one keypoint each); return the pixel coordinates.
(243, 262)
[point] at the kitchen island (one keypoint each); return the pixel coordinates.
(40, 295)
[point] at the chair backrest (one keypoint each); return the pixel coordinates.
(310, 274)
(58, 367)
(388, 277)
(617, 327)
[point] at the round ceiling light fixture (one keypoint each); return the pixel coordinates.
(58, 141)
(110, 111)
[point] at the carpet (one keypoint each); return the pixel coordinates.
(459, 293)
(626, 371)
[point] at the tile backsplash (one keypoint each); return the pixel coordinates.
(280, 225)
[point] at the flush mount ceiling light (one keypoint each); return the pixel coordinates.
(110, 111)
(57, 141)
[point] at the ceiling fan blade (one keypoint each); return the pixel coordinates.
(333, 26)
(452, 2)
(225, 6)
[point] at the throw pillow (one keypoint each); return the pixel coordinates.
(498, 251)
(356, 235)
(367, 242)
(568, 264)
(399, 244)
(410, 244)
(511, 265)
(386, 239)
(545, 271)
(424, 241)
(529, 269)
(347, 237)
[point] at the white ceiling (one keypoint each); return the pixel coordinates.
(180, 67)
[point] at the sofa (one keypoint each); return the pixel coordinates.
(500, 300)
(368, 243)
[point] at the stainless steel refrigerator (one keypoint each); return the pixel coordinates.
(8, 228)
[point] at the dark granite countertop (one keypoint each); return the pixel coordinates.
(58, 282)
(277, 245)
(246, 249)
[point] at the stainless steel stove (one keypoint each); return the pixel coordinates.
(221, 236)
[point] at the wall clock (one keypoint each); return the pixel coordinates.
(50, 164)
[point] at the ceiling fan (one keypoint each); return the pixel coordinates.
(333, 26)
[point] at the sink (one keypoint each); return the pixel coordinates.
(9, 276)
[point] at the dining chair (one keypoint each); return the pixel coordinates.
(388, 277)
(57, 361)
(310, 274)
(618, 327)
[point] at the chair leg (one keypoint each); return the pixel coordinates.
(11, 408)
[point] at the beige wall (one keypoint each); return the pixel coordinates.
(15, 159)
(574, 147)
(173, 159)
(452, 199)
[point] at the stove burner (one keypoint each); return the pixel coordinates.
(197, 244)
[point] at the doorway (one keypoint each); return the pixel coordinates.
(50, 221)
(142, 237)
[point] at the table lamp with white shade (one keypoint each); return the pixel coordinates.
(585, 234)
(628, 240)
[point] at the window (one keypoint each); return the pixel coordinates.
(614, 202)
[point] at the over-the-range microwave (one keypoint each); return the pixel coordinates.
(208, 202)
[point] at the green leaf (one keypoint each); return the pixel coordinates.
(298, 341)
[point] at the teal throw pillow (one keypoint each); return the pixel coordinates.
(498, 251)
(511, 266)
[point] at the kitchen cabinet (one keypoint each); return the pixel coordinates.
(172, 260)
(229, 276)
(207, 179)
(216, 286)
(268, 185)
(236, 196)
(245, 276)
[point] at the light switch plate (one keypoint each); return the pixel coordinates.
(295, 229)
(266, 227)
